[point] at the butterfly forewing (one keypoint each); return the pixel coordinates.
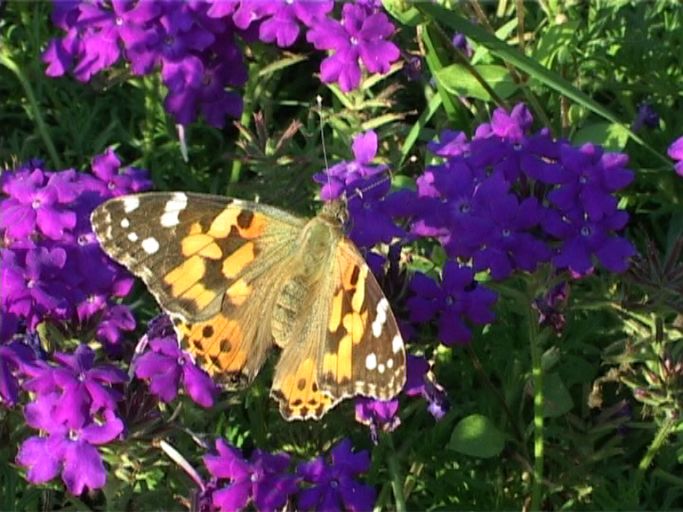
(210, 262)
(363, 351)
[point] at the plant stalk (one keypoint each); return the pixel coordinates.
(537, 376)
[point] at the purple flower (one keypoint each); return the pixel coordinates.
(78, 388)
(591, 177)
(550, 305)
(584, 239)
(646, 116)
(116, 320)
(33, 207)
(334, 486)
(281, 19)
(377, 414)
(372, 212)
(167, 366)
(420, 382)
(460, 42)
(360, 36)
(451, 143)
(13, 357)
(458, 300)
(675, 151)
(505, 223)
(336, 179)
(262, 480)
(69, 451)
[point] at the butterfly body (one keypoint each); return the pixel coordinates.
(237, 277)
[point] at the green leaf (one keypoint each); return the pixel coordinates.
(405, 13)
(477, 436)
(528, 65)
(433, 105)
(457, 79)
(557, 400)
(612, 136)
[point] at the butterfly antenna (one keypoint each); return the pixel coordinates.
(319, 100)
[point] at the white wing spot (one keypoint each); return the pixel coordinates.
(390, 363)
(174, 206)
(150, 245)
(397, 343)
(125, 223)
(371, 361)
(380, 368)
(380, 317)
(133, 237)
(130, 203)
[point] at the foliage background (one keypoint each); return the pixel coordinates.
(612, 423)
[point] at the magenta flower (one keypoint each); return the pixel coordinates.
(70, 451)
(379, 415)
(78, 388)
(167, 367)
(359, 37)
(334, 486)
(262, 480)
(281, 18)
(675, 151)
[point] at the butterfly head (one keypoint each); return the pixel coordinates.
(336, 212)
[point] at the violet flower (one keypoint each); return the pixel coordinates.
(360, 36)
(262, 480)
(334, 486)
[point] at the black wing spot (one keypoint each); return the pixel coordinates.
(301, 384)
(245, 218)
(207, 331)
(226, 346)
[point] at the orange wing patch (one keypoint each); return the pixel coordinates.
(297, 391)
(217, 344)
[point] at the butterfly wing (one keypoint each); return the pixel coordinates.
(363, 351)
(347, 344)
(209, 261)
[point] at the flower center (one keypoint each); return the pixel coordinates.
(586, 231)
(35, 204)
(506, 232)
(517, 146)
(449, 300)
(111, 185)
(583, 180)
(119, 21)
(354, 40)
(31, 283)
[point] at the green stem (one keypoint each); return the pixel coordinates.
(9, 63)
(396, 480)
(657, 442)
(537, 376)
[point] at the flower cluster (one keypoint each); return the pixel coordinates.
(75, 410)
(265, 480)
(52, 266)
(505, 200)
(194, 45)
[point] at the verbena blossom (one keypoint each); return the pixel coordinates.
(333, 485)
(360, 36)
(52, 265)
(495, 199)
(455, 303)
(194, 45)
(373, 210)
(675, 151)
(262, 480)
(646, 117)
(420, 382)
(75, 408)
(13, 357)
(69, 451)
(166, 367)
(378, 415)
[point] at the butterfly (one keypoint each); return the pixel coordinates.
(237, 277)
